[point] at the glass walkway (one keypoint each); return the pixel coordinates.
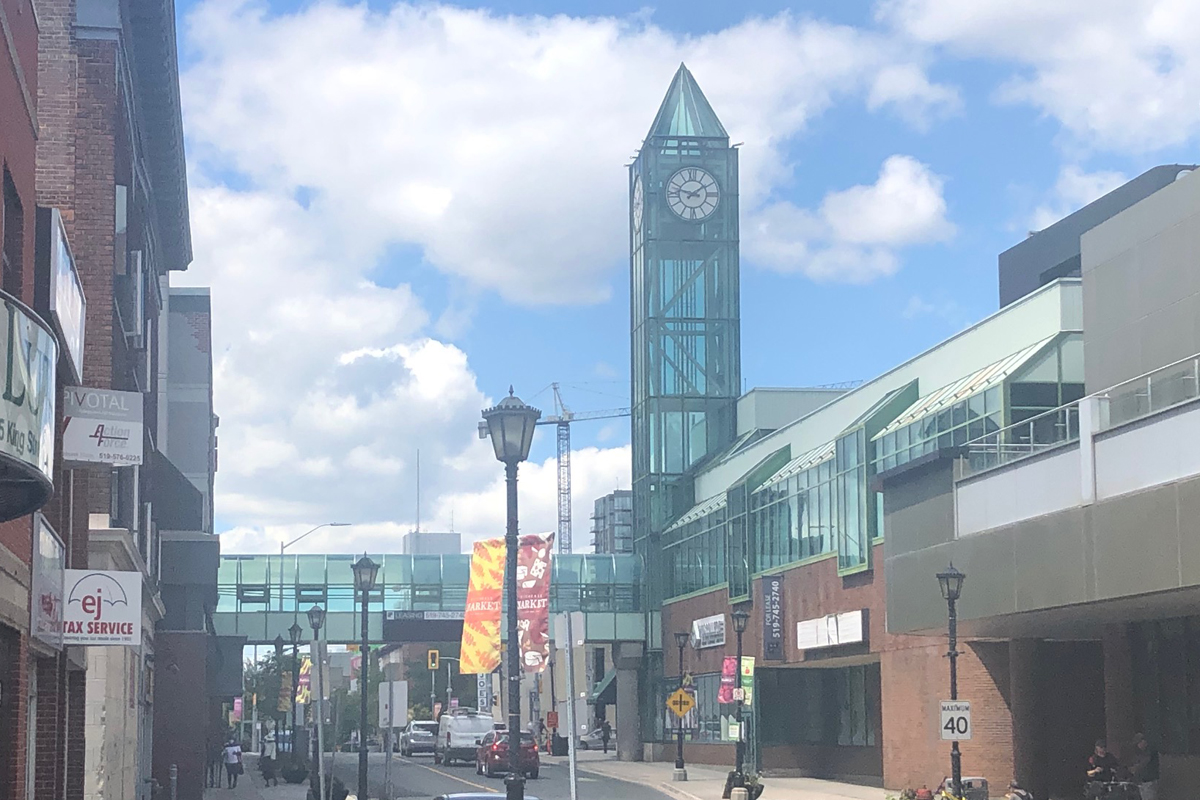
(260, 596)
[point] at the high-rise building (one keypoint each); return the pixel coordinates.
(430, 543)
(612, 523)
(683, 190)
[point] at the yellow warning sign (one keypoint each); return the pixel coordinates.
(681, 703)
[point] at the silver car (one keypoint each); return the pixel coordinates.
(417, 737)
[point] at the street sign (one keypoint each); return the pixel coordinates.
(956, 720)
(739, 695)
(681, 703)
(552, 719)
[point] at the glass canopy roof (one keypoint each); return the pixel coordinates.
(685, 111)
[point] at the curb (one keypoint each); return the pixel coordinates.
(670, 788)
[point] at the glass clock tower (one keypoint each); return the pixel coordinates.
(683, 192)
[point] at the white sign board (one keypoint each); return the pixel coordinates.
(102, 426)
(103, 607)
(956, 720)
(830, 631)
(49, 559)
(708, 632)
(393, 704)
(483, 691)
(67, 304)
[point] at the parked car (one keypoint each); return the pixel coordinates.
(491, 757)
(417, 737)
(594, 740)
(459, 731)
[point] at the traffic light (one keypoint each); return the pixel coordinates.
(433, 660)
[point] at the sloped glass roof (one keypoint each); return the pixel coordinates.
(977, 381)
(685, 111)
(701, 509)
(801, 463)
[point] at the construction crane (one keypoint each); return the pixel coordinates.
(563, 417)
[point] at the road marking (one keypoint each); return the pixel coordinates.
(455, 778)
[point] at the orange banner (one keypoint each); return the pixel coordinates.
(533, 600)
(480, 652)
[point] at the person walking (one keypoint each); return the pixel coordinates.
(268, 761)
(214, 763)
(1145, 767)
(605, 734)
(232, 756)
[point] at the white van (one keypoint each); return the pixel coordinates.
(459, 731)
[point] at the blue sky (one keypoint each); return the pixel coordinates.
(462, 173)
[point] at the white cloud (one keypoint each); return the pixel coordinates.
(1118, 74)
(478, 513)
(491, 147)
(907, 89)
(1073, 190)
(494, 143)
(855, 234)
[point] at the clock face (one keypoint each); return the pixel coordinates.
(693, 194)
(638, 204)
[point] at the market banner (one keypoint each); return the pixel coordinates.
(303, 689)
(480, 649)
(729, 680)
(533, 600)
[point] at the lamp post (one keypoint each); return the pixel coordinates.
(295, 632)
(365, 573)
(510, 424)
(681, 640)
(740, 618)
(316, 619)
(283, 547)
(951, 582)
(279, 712)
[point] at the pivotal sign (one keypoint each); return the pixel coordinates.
(103, 608)
(102, 426)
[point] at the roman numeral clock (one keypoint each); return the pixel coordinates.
(693, 194)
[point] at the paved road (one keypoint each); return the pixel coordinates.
(418, 777)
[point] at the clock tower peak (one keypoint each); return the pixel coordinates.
(685, 111)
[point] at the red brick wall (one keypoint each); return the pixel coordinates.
(76, 743)
(12, 715)
(51, 716)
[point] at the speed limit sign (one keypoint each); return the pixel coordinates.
(956, 720)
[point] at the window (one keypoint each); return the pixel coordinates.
(12, 225)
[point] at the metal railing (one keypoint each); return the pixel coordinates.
(1164, 388)
(1021, 440)
(1137, 398)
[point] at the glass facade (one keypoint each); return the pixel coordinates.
(838, 707)
(696, 545)
(793, 514)
(685, 314)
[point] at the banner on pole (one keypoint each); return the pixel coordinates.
(533, 600)
(729, 679)
(480, 650)
(303, 691)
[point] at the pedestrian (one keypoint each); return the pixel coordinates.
(1145, 767)
(233, 763)
(605, 734)
(214, 763)
(268, 761)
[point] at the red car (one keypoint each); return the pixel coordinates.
(491, 758)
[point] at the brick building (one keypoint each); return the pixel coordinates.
(110, 159)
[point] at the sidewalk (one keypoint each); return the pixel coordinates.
(706, 782)
(250, 786)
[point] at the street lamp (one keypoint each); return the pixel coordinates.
(365, 573)
(510, 424)
(951, 582)
(279, 712)
(283, 547)
(740, 618)
(295, 632)
(316, 618)
(681, 641)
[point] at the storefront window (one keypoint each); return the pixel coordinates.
(1166, 683)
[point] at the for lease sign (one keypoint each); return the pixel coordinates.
(103, 607)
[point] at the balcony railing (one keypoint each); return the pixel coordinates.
(1156, 391)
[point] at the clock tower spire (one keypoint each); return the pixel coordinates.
(686, 371)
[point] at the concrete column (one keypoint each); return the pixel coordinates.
(627, 657)
(1119, 712)
(1025, 703)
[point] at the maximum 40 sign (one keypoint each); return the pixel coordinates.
(956, 720)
